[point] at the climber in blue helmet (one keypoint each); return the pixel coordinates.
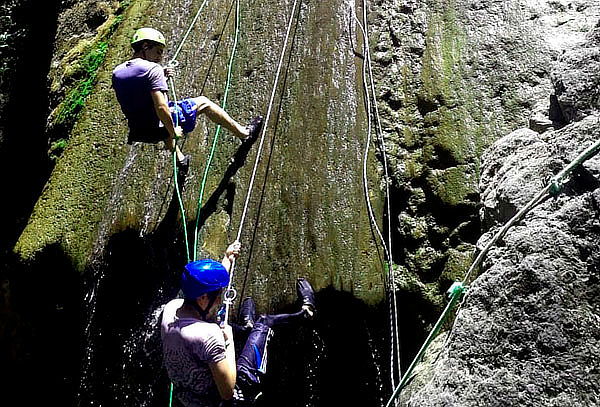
(198, 350)
(141, 88)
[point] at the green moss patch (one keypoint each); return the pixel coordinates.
(452, 185)
(80, 70)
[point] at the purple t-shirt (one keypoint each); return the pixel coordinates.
(189, 345)
(133, 81)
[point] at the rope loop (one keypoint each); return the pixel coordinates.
(229, 296)
(172, 63)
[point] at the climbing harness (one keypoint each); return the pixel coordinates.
(395, 360)
(458, 288)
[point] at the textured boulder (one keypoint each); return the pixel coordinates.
(528, 333)
(454, 76)
(576, 79)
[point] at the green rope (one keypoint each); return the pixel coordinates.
(589, 152)
(175, 180)
(455, 292)
(218, 130)
(552, 189)
(181, 207)
(458, 288)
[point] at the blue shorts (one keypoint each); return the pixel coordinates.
(184, 114)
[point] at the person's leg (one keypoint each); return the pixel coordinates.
(240, 331)
(306, 294)
(275, 320)
(217, 115)
(180, 155)
(247, 313)
(252, 362)
(163, 135)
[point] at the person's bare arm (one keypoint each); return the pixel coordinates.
(224, 372)
(162, 111)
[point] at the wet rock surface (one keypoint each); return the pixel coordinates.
(453, 77)
(109, 215)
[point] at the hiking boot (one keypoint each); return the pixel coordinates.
(247, 313)
(184, 165)
(307, 295)
(254, 127)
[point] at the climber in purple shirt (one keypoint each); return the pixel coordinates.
(141, 88)
(198, 352)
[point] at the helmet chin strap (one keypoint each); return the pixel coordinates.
(204, 312)
(199, 310)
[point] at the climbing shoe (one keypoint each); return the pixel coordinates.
(255, 127)
(307, 295)
(184, 165)
(247, 313)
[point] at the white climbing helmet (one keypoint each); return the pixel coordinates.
(148, 34)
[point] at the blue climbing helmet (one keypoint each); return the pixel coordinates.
(203, 276)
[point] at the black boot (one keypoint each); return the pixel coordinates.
(247, 313)
(255, 127)
(307, 295)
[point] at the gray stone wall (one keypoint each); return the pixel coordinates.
(527, 333)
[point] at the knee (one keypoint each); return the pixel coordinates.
(202, 103)
(202, 100)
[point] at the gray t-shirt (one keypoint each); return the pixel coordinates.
(189, 345)
(133, 82)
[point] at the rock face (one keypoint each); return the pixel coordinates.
(24, 25)
(576, 79)
(108, 225)
(453, 77)
(528, 333)
(102, 187)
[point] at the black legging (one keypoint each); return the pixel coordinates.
(252, 362)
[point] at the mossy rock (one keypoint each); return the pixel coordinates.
(458, 262)
(452, 186)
